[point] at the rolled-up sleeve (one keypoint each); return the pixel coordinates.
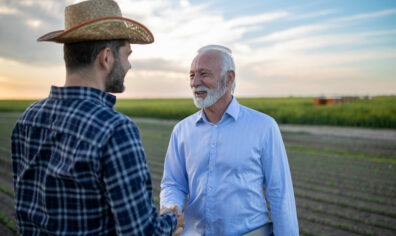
(174, 185)
(128, 187)
(278, 182)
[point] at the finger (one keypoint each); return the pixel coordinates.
(164, 210)
(174, 208)
(178, 232)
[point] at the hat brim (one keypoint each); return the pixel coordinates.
(106, 28)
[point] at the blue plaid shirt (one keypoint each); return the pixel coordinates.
(79, 169)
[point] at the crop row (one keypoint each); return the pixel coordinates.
(9, 223)
(347, 176)
(342, 203)
(344, 154)
(337, 224)
(349, 171)
(352, 176)
(344, 184)
(343, 194)
(347, 216)
(337, 159)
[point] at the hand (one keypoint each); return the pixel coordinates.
(180, 218)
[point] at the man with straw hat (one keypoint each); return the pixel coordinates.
(79, 166)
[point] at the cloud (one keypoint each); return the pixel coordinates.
(257, 19)
(291, 33)
(180, 28)
(315, 14)
(275, 50)
(19, 31)
(5, 10)
(158, 64)
(369, 15)
(148, 83)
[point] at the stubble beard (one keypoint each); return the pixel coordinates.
(212, 96)
(115, 79)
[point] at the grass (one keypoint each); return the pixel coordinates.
(6, 161)
(9, 223)
(379, 112)
(6, 190)
(342, 153)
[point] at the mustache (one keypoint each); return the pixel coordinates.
(200, 89)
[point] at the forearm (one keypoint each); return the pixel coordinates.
(171, 195)
(127, 187)
(284, 217)
(166, 224)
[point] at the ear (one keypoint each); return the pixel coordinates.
(230, 78)
(105, 59)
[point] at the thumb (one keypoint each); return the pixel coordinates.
(175, 208)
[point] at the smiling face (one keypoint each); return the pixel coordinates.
(207, 80)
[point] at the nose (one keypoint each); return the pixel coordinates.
(129, 65)
(195, 81)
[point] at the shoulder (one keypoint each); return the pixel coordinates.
(30, 113)
(256, 118)
(106, 120)
(87, 120)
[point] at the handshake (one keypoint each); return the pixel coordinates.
(180, 218)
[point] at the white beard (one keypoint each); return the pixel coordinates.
(212, 96)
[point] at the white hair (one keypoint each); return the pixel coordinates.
(228, 61)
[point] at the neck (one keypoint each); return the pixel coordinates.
(84, 79)
(216, 111)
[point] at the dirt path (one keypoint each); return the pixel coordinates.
(347, 132)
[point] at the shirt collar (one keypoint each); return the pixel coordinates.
(232, 110)
(82, 93)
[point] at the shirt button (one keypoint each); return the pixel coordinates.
(208, 209)
(210, 189)
(213, 145)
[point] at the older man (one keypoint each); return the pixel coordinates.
(223, 156)
(79, 166)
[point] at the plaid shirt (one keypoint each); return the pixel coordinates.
(80, 169)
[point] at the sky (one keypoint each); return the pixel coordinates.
(280, 48)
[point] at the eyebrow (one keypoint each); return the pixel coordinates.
(201, 70)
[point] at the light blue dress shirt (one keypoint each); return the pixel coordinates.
(224, 167)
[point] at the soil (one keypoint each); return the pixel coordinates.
(354, 174)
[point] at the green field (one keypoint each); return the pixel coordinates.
(343, 186)
(378, 112)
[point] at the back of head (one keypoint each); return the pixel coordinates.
(81, 55)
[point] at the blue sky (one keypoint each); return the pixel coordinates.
(281, 48)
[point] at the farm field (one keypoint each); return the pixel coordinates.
(376, 112)
(344, 185)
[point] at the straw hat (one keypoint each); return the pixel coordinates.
(98, 20)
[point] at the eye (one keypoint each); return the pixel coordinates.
(192, 76)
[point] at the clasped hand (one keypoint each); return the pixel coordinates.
(180, 218)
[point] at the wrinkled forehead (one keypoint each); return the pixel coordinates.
(210, 59)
